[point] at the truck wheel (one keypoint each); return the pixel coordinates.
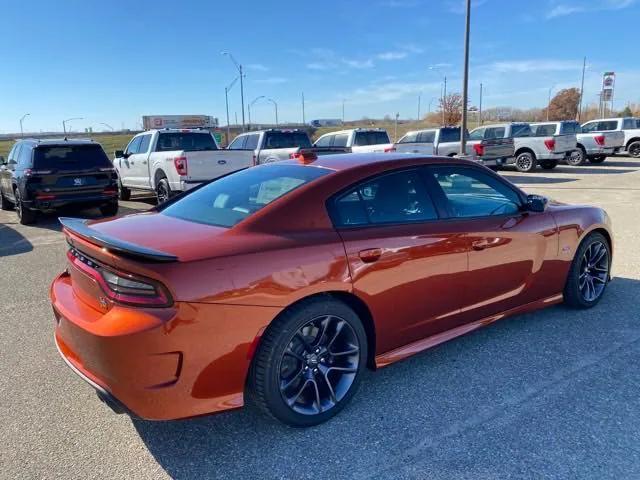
(526, 162)
(598, 159)
(123, 192)
(634, 149)
(577, 157)
(549, 164)
(163, 191)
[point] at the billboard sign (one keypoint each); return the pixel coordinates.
(178, 121)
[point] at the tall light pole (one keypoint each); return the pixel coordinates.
(304, 122)
(276, 107)
(444, 89)
(343, 100)
(64, 123)
(240, 74)
(21, 120)
(227, 89)
(251, 105)
(480, 107)
(584, 67)
(419, 98)
(465, 82)
(549, 100)
(395, 129)
(108, 126)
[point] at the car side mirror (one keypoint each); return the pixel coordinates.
(118, 154)
(536, 203)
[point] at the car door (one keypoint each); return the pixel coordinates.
(140, 162)
(126, 164)
(6, 173)
(404, 264)
(512, 251)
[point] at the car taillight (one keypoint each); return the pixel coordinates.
(390, 149)
(110, 190)
(599, 140)
(479, 149)
(181, 165)
(550, 143)
(120, 287)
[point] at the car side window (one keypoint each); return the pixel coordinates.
(477, 134)
(144, 144)
(134, 146)
(13, 156)
(607, 125)
(252, 142)
(238, 143)
(409, 138)
(544, 130)
(340, 140)
(472, 193)
(24, 158)
(589, 127)
(324, 141)
(399, 197)
(427, 137)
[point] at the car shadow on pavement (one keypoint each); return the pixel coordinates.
(501, 389)
(12, 242)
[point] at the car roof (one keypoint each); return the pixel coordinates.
(349, 130)
(282, 130)
(59, 141)
(354, 161)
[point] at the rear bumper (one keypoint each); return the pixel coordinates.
(189, 184)
(600, 151)
(64, 201)
(552, 156)
(159, 363)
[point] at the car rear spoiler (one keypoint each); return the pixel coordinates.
(81, 228)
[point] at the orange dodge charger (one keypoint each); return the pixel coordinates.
(287, 280)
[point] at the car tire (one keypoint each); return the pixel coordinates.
(598, 159)
(309, 362)
(588, 274)
(124, 193)
(578, 157)
(549, 164)
(110, 209)
(4, 203)
(526, 162)
(634, 149)
(25, 215)
(163, 191)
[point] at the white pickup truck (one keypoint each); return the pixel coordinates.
(171, 161)
(589, 146)
(445, 142)
(530, 150)
(358, 140)
(625, 130)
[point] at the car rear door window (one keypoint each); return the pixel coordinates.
(548, 129)
(472, 193)
(494, 132)
(629, 124)
(399, 197)
(252, 141)
(570, 128)
(607, 125)
(427, 137)
(341, 140)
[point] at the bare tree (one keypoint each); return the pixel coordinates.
(564, 106)
(451, 105)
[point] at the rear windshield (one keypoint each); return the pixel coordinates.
(371, 138)
(233, 198)
(187, 141)
(71, 157)
(521, 130)
(286, 140)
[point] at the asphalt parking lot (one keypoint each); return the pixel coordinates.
(553, 394)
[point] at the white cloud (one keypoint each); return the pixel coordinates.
(397, 55)
(562, 9)
(257, 66)
(525, 66)
(368, 63)
(272, 80)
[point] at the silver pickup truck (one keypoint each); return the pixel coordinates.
(265, 146)
(445, 142)
(592, 146)
(619, 133)
(530, 150)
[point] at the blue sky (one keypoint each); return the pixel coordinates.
(111, 62)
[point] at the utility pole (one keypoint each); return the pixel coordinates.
(419, 107)
(465, 82)
(395, 130)
(343, 100)
(584, 67)
(21, 120)
(304, 122)
(480, 107)
(226, 101)
(549, 101)
(64, 123)
(239, 67)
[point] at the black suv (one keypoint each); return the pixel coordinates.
(41, 175)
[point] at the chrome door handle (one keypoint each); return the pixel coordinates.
(370, 255)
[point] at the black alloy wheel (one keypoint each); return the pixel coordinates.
(589, 272)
